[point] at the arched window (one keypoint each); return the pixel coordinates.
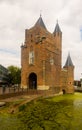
(31, 56)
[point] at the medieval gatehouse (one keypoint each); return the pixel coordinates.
(41, 60)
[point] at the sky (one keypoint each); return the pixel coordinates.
(18, 15)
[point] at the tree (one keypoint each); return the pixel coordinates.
(14, 75)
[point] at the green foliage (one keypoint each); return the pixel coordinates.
(14, 75)
(10, 122)
(22, 108)
(56, 113)
(44, 115)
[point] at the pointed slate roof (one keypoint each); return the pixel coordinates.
(57, 28)
(68, 61)
(40, 22)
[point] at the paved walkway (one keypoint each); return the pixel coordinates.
(22, 97)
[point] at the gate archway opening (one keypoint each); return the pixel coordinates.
(64, 92)
(32, 81)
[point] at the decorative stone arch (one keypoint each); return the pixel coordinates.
(32, 81)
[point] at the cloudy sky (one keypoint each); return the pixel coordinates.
(17, 15)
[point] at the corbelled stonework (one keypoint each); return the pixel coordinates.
(41, 56)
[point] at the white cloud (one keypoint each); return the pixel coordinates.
(17, 15)
(8, 58)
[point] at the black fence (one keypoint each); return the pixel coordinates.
(7, 92)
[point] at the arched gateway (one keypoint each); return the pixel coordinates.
(32, 81)
(64, 91)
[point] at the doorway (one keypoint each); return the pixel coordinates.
(32, 81)
(64, 92)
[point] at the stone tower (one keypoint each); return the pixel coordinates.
(67, 76)
(70, 74)
(41, 56)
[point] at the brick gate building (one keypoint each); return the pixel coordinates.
(41, 60)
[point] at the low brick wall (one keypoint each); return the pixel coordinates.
(44, 93)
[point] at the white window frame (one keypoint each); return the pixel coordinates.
(51, 61)
(31, 57)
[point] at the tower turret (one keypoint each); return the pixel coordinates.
(58, 41)
(70, 74)
(58, 36)
(69, 62)
(57, 29)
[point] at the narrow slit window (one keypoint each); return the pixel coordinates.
(31, 57)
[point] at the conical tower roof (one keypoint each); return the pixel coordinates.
(40, 22)
(57, 28)
(68, 61)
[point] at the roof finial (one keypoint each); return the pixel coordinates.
(69, 53)
(57, 20)
(40, 13)
(40, 22)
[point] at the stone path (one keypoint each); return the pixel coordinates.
(2, 104)
(23, 100)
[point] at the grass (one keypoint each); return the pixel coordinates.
(55, 113)
(75, 96)
(9, 122)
